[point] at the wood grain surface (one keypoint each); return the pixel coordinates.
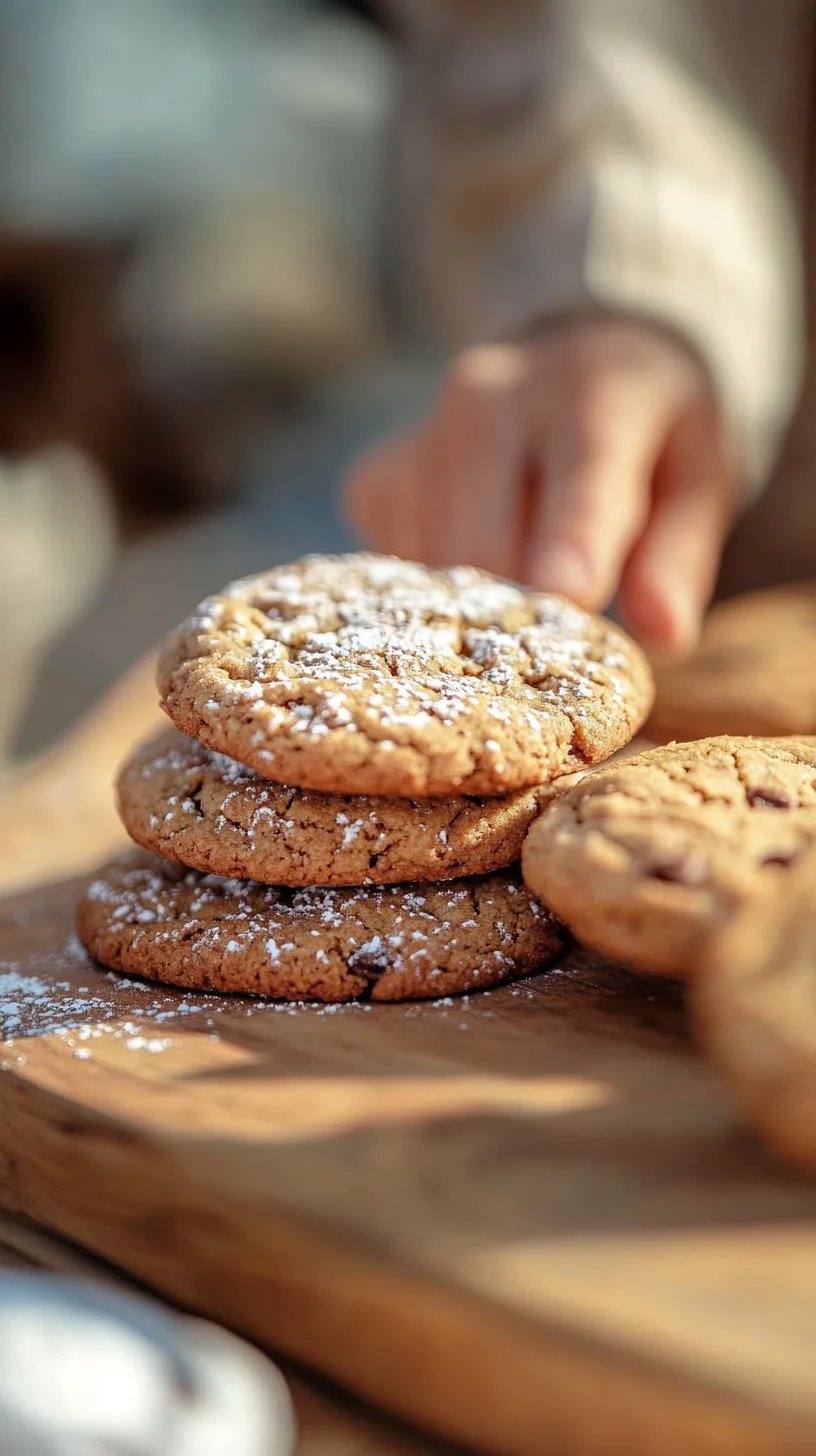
(525, 1221)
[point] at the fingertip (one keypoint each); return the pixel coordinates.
(665, 621)
(565, 570)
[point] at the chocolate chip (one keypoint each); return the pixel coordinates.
(768, 799)
(368, 964)
(687, 869)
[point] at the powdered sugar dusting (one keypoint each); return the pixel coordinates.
(240, 934)
(87, 1012)
(45, 1001)
(392, 648)
(196, 805)
(62, 995)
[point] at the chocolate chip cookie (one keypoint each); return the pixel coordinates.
(367, 675)
(152, 917)
(753, 672)
(646, 859)
(182, 800)
(754, 1009)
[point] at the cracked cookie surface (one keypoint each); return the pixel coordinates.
(364, 674)
(754, 1010)
(645, 860)
(188, 803)
(152, 917)
(751, 673)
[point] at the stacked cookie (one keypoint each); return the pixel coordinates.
(363, 745)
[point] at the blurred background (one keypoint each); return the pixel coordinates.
(198, 324)
(203, 321)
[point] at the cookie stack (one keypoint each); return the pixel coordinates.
(360, 747)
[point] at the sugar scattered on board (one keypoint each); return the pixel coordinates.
(38, 1001)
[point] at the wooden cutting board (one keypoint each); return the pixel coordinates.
(525, 1220)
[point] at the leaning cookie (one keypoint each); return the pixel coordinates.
(645, 860)
(367, 675)
(751, 673)
(182, 800)
(150, 917)
(754, 1010)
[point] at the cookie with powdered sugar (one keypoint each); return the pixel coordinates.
(150, 917)
(182, 800)
(365, 674)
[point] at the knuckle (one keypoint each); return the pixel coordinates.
(488, 372)
(584, 451)
(578, 365)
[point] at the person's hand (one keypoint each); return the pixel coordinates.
(592, 463)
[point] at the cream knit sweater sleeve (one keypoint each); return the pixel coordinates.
(634, 155)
